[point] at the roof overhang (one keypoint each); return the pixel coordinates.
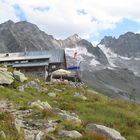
(37, 64)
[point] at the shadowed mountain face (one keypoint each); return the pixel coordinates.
(15, 37)
(112, 67)
(127, 45)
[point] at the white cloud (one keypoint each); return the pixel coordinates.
(62, 19)
(6, 12)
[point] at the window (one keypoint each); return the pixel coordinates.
(53, 66)
(7, 54)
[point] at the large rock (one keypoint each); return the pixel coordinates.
(40, 136)
(52, 94)
(6, 77)
(67, 117)
(70, 118)
(108, 132)
(70, 134)
(3, 69)
(21, 88)
(18, 125)
(2, 135)
(19, 76)
(33, 84)
(41, 105)
(80, 96)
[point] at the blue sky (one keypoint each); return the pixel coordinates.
(19, 13)
(122, 27)
(90, 19)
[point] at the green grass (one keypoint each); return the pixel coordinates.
(8, 127)
(121, 115)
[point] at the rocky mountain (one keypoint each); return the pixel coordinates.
(122, 75)
(113, 66)
(127, 45)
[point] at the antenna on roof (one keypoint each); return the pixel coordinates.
(25, 51)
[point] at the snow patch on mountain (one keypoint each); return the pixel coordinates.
(113, 57)
(124, 58)
(137, 59)
(79, 54)
(94, 62)
(109, 54)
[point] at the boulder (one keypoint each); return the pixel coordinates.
(52, 94)
(3, 69)
(1, 87)
(79, 95)
(18, 125)
(70, 118)
(108, 132)
(45, 90)
(70, 134)
(33, 84)
(46, 105)
(21, 88)
(49, 130)
(29, 134)
(2, 135)
(41, 105)
(66, 116)
(19, 76)
(40, 136)
(51, 126)
(6, 78)
(58, 111)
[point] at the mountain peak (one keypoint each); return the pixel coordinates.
(10, 22)
(126, 45)
(74, 37)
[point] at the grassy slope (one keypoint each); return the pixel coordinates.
(120, 115)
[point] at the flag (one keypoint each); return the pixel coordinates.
(75, 55)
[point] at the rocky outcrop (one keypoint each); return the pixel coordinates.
(126, 45)
(58, 124)
(2, 135)
(34, 85)
(103, 130)
(80, 96)
(19, 76)
(52, 94)
(31, 84)
(6, 77)
(40, 136)
(70, 134)
(66, 116)
(41, 105)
